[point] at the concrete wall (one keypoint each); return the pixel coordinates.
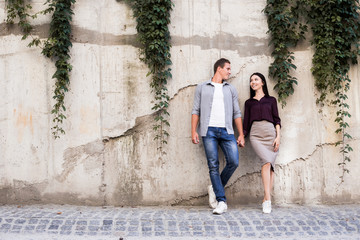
(108, 155)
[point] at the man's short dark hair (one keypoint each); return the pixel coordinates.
(220, 63)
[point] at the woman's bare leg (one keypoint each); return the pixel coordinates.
(268, 180)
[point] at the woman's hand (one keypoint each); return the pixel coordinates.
(276, 143)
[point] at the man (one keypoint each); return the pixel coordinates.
(215, 109)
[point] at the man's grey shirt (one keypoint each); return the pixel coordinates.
(204, 95)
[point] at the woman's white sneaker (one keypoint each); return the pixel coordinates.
(266, 207)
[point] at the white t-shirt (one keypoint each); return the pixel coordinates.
(217, 116)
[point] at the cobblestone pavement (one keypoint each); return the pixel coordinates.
(38, 222)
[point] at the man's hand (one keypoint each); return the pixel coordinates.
(195, 137)
(194, 134)
(241, 141)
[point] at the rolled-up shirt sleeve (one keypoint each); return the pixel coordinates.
(236, 107)
(246, 124)
(275, 113)
(196, 105)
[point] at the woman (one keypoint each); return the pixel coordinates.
(262, 124)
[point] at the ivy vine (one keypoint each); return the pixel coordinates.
(56, 46)
(19, 9)
(153, 18)
(285, 31)
(335, 25)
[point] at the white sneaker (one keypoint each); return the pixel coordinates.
(221, 208)
(212, 198)
(266, 207)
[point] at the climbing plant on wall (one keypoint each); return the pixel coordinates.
(285, 31)
(336, 29)
(56, 47)
(335, 26)
(153, 18)
(18, 9)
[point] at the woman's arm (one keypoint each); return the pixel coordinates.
(276, 143)
(246, 124)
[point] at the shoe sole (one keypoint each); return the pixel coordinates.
(219, 213)
(216, 213)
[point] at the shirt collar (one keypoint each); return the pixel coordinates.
(209, 82)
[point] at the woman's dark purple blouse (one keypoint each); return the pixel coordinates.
(255, 110)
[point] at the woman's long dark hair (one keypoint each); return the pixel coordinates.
(264, 87)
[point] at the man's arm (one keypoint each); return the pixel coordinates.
(194, 123)
(239, 126)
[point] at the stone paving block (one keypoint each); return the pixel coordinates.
(81, 223)
(40, 227)
(173, 234)
(260, 228)
(132, 234)
(108, 222)
(267, 223)
(44, 221)
(30, 227)
(282, 228)
(70, 222)
(20, 221)
(234, 228)
(159, 234)
(5, 226)
(92, 233)
(133, 228)
(53, 227)
(136, 222)
(66, 227)
(106, 228)
(33, 221)
(122, 228)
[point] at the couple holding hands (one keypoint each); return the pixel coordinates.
(215, 109)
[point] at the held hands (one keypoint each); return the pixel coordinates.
(241, 141)
(276, 144)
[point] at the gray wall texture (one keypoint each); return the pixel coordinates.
(108, 155)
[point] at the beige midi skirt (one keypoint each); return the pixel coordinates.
(262, 136)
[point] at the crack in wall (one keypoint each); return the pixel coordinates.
(191, 198)
(182, 89)
(148, 118)
(181, 201)
(308, 156)
(139, 122)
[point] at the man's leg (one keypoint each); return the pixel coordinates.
(211, 150)
(230, 149)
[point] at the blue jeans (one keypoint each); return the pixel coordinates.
(219, 137)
